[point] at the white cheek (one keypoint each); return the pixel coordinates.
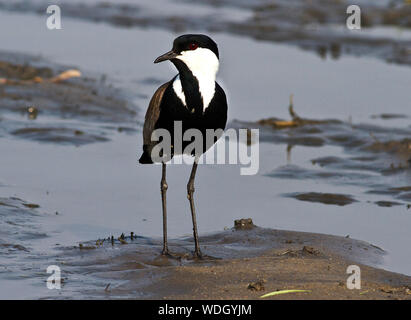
(203, 63)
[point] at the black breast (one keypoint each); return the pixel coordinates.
(192, 115)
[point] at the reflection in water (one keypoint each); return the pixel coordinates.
(289, 149)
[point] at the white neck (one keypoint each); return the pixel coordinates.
(203, 64)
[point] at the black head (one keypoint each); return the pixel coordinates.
(189, 42)
(194, 41)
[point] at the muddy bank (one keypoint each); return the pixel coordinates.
(242, 263)
(326, 198)
(315, 26)
(321, 27)
(41, 101)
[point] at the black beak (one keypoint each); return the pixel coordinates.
(166, 56)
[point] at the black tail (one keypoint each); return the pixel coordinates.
(145, 157)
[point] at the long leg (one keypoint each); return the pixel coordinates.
(164, 188)
(190, 194)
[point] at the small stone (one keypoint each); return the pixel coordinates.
(257, 286)
(310, 250)
(243, 224)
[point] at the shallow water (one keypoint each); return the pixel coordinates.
(98, 190)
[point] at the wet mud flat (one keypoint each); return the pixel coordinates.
(45, 102)
(318, 26)
(241, 263)
(18, 225)
(244, 262)
(20, 230)
(376, 158)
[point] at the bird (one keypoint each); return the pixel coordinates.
(193, 97)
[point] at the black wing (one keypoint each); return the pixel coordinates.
(152, 115)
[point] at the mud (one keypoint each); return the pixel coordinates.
(23, 72)
(317, 26)
(389, 116)
(400, 149)
(326, 198)
(320, 27)
(19, 226)
(238, 264)
(369, 150)
(401, 193)
(387, 204)
(84, 106)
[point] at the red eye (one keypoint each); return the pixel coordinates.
(193, 46)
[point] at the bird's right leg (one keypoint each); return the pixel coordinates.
(190, 197)
(164, 188)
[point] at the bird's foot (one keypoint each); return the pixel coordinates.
(167, 254)
(197, 254)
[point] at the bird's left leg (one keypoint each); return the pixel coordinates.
(190, 194)
(164, 188)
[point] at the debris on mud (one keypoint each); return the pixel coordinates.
(15, 74)
(85, 247)
(257, 286)
(310, 250)
(243, 224)
(121, 238)
(31, 205)
(305, 251)
(295, 121)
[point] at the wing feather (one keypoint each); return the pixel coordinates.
(153, 113)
